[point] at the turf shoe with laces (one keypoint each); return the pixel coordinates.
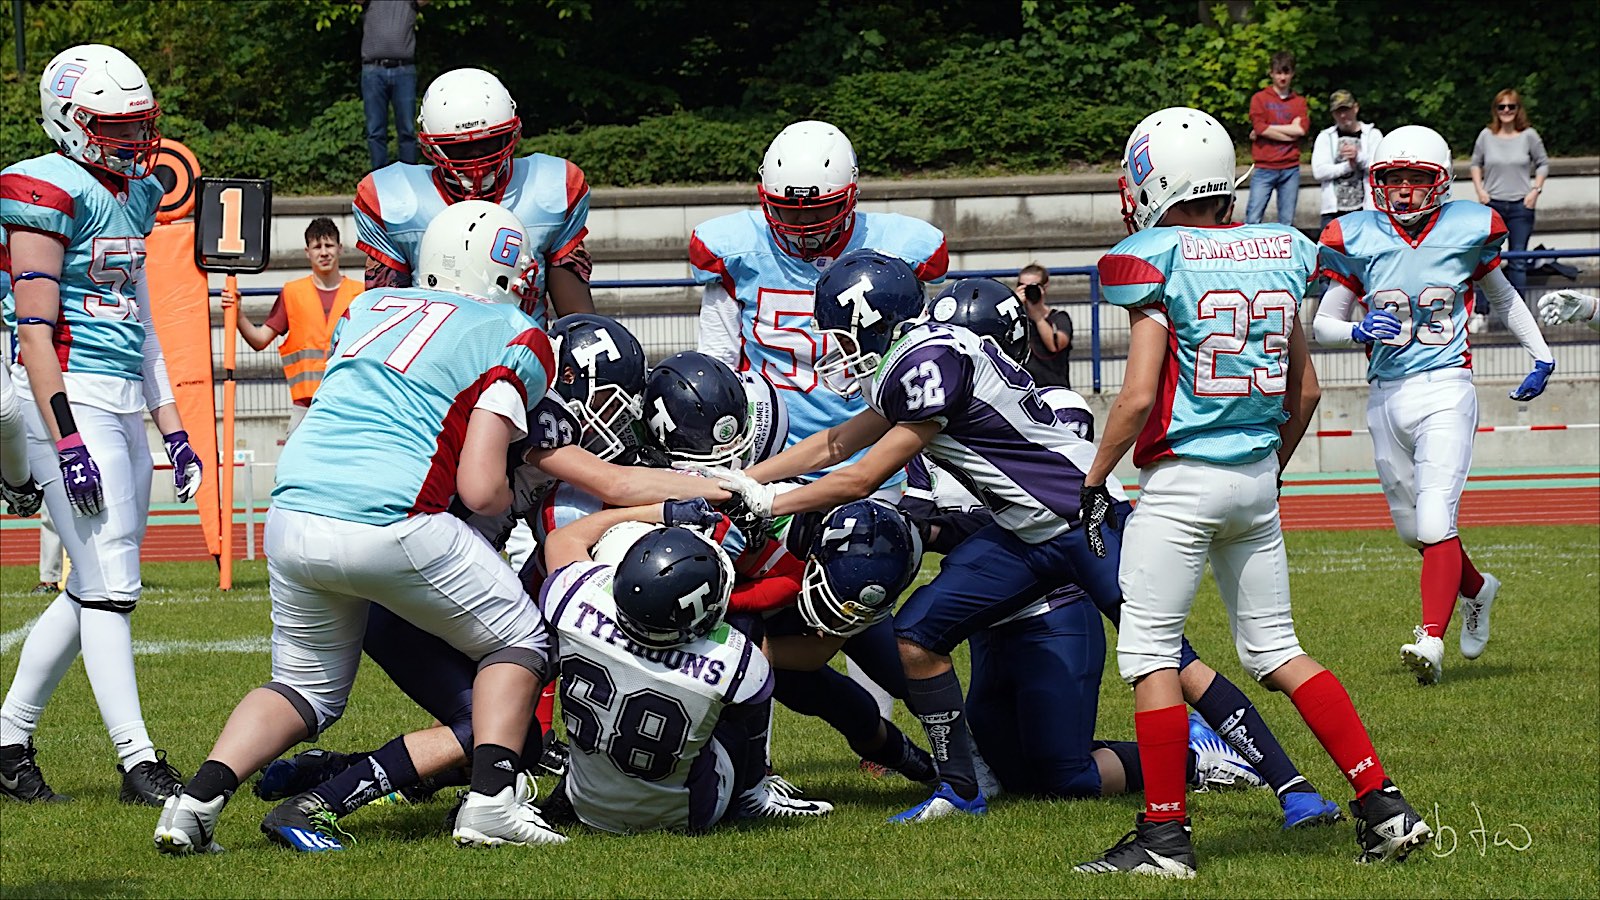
(20, 777)
(1475, 618)
(151, 782)
(774, 798)
(189, 826)
(508, 817)
(944, 802)
(1217, 766)
(1307, 808)
(283, 778)
(304, 823)
(1163, 849)
(1424, 657)
(1387, 828)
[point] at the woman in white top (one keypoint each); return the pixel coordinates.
(1509, 167)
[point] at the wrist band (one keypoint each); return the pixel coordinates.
(63, 411)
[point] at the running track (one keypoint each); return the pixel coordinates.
(1310, 503)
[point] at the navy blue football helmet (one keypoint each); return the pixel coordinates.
(671, 586)
(864, 554)
(600, 379)
(696, 410)
(988, 309)
(863, 302)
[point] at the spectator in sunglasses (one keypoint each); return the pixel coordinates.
(1509, 167)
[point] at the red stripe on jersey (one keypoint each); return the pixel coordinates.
(1484, 269)
(936, 265)
(1152, 445)
(56, 236)
(720, 530)
(35, 192)
(577, 186)
(367, 200)
(702, 258)
(439, 485)
(1497, 228)
(1351, 282)
(382, 257)
(547, 514)
(1120, 268)
(539, 343)
(63, 340)
(559, 255)
(1332, 237)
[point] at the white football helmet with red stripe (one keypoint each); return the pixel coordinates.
(1411, 147)
(98, 108)
(478, 248)
(808, 188)
(469, 129)
(1173, 156)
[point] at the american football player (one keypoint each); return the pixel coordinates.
(1412, 269)
(90, 366)
(1218, 392)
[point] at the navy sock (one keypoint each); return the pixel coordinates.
(938, 704)
(388, 768)
(1226, 709)
(897, 752)
(1128, 754)
(494, 768)
(210, 781)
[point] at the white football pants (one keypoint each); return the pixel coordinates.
(1422, 430)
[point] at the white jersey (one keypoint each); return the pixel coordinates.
(640, 720)
(997, 435)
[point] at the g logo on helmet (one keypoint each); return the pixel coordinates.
(725, 430)
(67, 80)
(1139, 165)
(507, 244)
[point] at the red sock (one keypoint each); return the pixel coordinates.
(1327, 709)
(1163, 752)
(1441, 578)
(546, 710)
(1471, 581)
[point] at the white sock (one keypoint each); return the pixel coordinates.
(108, 658)
(50, 648)
(879, 695)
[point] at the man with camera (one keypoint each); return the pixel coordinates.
(1049, 330)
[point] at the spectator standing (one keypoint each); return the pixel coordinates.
(1049, 330)
(389, 75)
(304, 314)
(1278, 122)
(1509, 167)
(1340, 157)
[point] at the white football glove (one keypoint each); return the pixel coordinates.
(757, 497)
(1566, 305)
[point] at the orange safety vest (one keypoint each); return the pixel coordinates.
(305, 347)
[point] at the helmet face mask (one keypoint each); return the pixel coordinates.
(1419, 157)
(99, 110)
(600, 379)
(808, 189)
(468, 129)
(863, 302)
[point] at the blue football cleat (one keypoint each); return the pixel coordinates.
(944, 802)
(1217, 766)
(1307, 809)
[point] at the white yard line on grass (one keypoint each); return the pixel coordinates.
(14, 636)
(238, 645)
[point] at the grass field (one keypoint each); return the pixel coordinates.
(1509, 741)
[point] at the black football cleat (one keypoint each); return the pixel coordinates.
(20, 778)
(151, 782)
(1387, 828)
(1163, 849)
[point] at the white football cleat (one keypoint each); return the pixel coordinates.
(1217, 766)
(767, 800)
(1475, 618)
(508, 817)
(189, 826)
(1425, 657)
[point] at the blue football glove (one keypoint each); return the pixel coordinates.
(695, 513)
(1533, 385)
(186, 468)
(1379, 325)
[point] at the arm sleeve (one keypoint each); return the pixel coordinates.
(1331, 327)
(1536, 154)
(1504, 298)
(719, 325)
(157, 389)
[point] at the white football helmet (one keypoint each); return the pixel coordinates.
(1175, 155)
(1411, 147)
(769, 419)
(617, 539)
(477, 248)
(808, 188)
(98, 109)
(469, 128)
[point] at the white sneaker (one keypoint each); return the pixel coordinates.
(508, 817)
(1475, 618)
(189, 826)
(766, 801)
(1425, 657)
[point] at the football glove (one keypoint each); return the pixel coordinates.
(186, 469)
(23, 499)
(1533, 385)
(80, 476)
(1566, 305)
(1380, 324)
(756, 497)
(692, 513)
(1097, 509)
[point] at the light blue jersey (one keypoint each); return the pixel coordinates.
(1426, 282)
(548, 195)
(774, 292)
(103, 232)
(1229, 297)
(408, 366)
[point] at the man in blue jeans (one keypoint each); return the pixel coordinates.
(389, 75)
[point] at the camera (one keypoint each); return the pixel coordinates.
(1033, 292)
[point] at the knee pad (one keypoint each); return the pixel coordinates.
(1434, 523)
(317, 716)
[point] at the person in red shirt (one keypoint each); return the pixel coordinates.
(1278, 118)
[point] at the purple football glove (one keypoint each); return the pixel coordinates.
(186, 468)
(80, 476)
